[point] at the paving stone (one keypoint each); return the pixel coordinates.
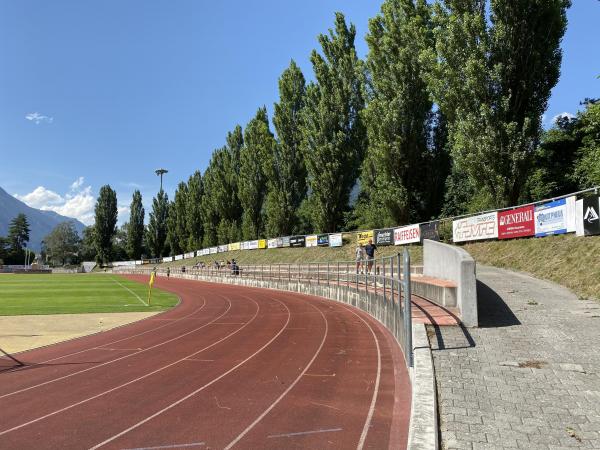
(532, 374)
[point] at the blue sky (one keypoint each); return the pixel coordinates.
(105, 92)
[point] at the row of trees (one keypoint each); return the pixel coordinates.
(442, 117)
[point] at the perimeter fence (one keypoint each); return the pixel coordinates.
(380, 287)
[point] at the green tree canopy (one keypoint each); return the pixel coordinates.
(135, 227)
(194, 220)
(156, 234)
(257, 150)
(62, 244)
(333, 133)
(105, 224)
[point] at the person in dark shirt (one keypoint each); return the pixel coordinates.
(370, 251)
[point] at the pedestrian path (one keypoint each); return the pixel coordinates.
(528, 377)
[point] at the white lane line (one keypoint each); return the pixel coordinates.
(81, 402)
(122, 339)
(302, 433)
(137, 296)
(319, 375)
(193, 444)
(266, 411)
(210, 383)
(365, 431)
(116, 359)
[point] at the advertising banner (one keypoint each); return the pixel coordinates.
(407, 235)
(167, 259)
(297, 241)
(323, 240)
(384, 237)
(244, 245)
(430, 231)
(178, 257)
(223, 248)
(206, 251)
(262, 243)
(189, 255)
(272, 243)
(551, 218)
(234, 246)
(213, 250)
(311, 240)
(483, 226)
(335, 240)
(591, 216)
(364, 236)
(579, 229)
(516, 223)
(253, 245)
(283, 241)
(571, 213)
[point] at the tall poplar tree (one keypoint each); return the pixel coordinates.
(194, 201)
(492, 80)
(156, 233)
(176, 223)
(105, 224)
(333, 133)
(257, 151)
(286, 171)
(399, 115)
(221, 208)
(135, 227)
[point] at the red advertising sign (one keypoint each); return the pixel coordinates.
(516, 223)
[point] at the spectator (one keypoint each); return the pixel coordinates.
(370, 251)
(182, 269)
(168, 272)
(360, 257)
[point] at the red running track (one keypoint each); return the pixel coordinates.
(230, 367)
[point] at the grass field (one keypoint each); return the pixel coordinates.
(77, 293)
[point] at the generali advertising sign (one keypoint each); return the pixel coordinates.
(407, 235)
(516, 223)
(484, 226)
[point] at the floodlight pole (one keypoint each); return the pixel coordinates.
(160, 173)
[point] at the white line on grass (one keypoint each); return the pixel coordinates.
(125, 287)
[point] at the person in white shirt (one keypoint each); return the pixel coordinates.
(360, 257)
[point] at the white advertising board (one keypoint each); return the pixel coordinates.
(483, 226)
(272, 243)
(551, 218)
(311, 240)
(335, 240)
(407, 235)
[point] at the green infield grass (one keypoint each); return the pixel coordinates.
(77, 293)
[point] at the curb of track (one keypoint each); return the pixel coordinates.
(423, 428)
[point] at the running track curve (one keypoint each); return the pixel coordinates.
(230, 367)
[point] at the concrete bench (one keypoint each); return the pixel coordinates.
(438, 291)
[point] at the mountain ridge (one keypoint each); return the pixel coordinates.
(41, 222)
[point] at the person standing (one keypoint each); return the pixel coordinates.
(370, 252)
(360, 257)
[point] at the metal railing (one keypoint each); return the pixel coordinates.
(378, 286)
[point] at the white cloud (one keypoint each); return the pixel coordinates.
(78, 203)
(568, 115)
(122, 213)
(80, 206)
(38, 118)
(77, 183)
(40, 197)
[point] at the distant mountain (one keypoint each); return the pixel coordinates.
(41, 222)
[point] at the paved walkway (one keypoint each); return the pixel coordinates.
(528, 377)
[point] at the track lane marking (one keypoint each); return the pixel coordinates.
(193, 444)
(302, 433)
(81, 402)
(266, 411)
(54, 380)
(367, 425)
(210, 383)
